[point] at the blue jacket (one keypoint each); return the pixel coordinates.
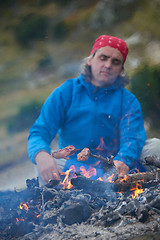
(106, 120)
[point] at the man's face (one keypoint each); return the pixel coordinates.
(106, 66)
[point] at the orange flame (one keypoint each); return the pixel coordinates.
(23, 206)
(99, 179)
(136, 190)
(96, 163)
(124, 179)
(91, 172)
(55, 175)
(66, 182)
(101, 145)
(109, 179)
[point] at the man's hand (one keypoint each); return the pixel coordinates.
(122, 168)
(47, 166)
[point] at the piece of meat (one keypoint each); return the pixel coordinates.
(64, 153)
(83, 155)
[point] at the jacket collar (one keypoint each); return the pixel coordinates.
(93, 89)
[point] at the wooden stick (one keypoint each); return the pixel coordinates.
(105, 160)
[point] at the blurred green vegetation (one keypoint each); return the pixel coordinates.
(146, 18)
(30, 28)
(145, 84)
(60, 30)
(24, 118)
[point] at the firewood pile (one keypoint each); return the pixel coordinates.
(89, 209)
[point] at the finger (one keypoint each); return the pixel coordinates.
(121, 175)
(57, 170)
(47, 176)
(118, 169)
(60, 171)
(44, 178)
(55, 176)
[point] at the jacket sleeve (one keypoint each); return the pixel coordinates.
(51, 119)
(132, 132)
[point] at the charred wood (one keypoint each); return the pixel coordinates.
(141, 176)
(92, 186)
(155, 203)
(77, 212)
(52, 183)
(153, 160)
(131, 181)
(61, 208)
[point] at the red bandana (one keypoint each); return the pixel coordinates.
(113, 42)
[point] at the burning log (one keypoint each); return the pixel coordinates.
(130, 182)
(153, 160)
(141, 176)
(137, 181)
(95, 187)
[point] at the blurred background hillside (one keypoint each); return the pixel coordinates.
(42, 44)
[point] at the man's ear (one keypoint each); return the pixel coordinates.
(123, 73)
(89, 61)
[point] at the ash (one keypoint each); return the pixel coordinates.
(48, 212)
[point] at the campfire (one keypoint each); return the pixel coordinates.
(78, 206)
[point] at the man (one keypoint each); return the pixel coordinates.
(93, 110)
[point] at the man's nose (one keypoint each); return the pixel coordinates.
(108, 63)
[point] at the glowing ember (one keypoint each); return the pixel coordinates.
(19, 219)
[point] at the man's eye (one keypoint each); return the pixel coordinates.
(116, 62)
(103, 58)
